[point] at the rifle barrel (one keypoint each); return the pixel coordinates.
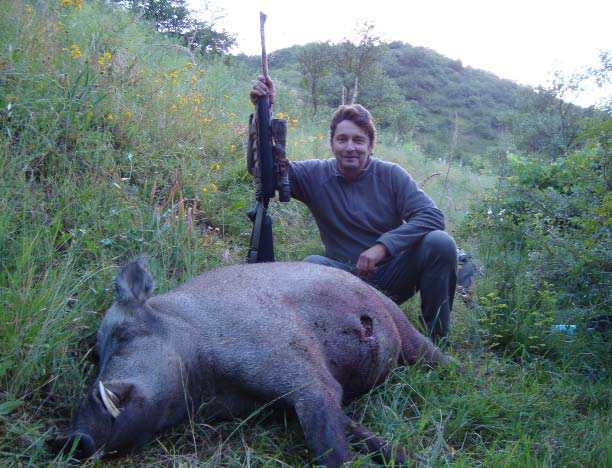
(264, 56)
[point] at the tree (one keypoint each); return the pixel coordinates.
(601, 75)
(174, 18)
(203, 37)
(546, 124)
(352, 62)
(170, 16)
(314, 61)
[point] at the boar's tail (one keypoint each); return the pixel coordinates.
(370, 443)
(415, 346)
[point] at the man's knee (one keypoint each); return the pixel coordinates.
(442, 245)
(318, 259)
(325, 261)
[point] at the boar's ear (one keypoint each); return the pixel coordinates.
(134, 283)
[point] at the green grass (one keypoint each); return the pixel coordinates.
(102, 160)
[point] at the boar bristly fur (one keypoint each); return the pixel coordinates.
(305, 336)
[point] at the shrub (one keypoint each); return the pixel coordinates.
(544, 236)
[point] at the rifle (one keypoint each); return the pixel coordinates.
(267, 163)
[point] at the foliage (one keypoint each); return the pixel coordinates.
(546, 238)
(169, 16)
(315, 63)
(416, 92)
(174, 18)
(545, 124)
(354, 62)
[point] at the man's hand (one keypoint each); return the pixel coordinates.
(370, 258)
(262, 87)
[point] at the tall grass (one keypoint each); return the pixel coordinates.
(114, 143)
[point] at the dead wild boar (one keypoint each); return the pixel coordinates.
(305, 336)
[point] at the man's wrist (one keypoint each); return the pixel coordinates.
(383, 249)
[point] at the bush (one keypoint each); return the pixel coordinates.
(544, 237)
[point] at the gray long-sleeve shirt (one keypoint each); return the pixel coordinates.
(384, 205)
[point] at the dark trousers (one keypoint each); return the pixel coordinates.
(429, 267)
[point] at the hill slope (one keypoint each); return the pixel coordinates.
(426, 91)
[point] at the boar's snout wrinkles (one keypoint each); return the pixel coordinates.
(236, 338)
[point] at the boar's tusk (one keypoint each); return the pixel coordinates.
(108, 398)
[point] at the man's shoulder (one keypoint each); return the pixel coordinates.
(389, 171)
(317, 168)
(313, 162)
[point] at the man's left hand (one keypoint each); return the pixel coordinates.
(370, 258)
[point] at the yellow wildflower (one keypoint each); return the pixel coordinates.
(128, 115)
(189, 65)
(110, 117)
(197, 98)
(205, 189)
(105, 58)
(66, 3)
(173, 75)
(77, 4)
(216, 166)
(213, 187)
(232, 147)
(29, 9)
(194, 79)
(226, 97)
(75, 51)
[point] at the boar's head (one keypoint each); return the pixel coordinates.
(139, 388)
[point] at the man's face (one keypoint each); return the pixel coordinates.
(351, 147)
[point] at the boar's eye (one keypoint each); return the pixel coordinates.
(122, 334)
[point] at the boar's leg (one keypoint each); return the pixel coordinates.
(415, 346)
(324, 424)
(326, 428)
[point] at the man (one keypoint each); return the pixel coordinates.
(373, 219)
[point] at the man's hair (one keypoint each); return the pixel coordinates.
(357, 114)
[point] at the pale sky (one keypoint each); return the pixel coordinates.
(520, 40)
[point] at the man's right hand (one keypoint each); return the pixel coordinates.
(262, 87)
(367, 261)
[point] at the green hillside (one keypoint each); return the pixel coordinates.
(439, 87)
(116, 140)
(418, 94)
